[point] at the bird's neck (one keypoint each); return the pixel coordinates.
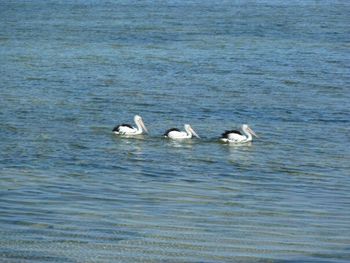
(248, 134)
(139, 127)
(189, 133)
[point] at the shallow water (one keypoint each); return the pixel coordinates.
(71, 191)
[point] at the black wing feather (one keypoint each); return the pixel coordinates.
(170, 130)
(116, 128)
(226, 133)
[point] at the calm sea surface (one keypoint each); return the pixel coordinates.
(71, 191)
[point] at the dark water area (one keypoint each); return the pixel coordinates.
(71, 191)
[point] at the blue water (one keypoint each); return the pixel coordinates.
(71, 191)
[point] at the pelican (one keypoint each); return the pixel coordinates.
(235, 136)
(175, 134)
(128, 130)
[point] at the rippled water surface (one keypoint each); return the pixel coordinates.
(71, 191)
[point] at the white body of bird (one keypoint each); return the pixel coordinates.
(176, 134)
(128, 130)
(237, 137)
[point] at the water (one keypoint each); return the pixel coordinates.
(71, 191)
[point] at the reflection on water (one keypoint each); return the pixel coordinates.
(184, 143)
(240, 153)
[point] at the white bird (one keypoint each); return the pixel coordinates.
(234, 136)
(176, 134)
(128, 130)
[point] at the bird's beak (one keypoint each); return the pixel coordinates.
(143, 126)
(252, 132)
(194, 133)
